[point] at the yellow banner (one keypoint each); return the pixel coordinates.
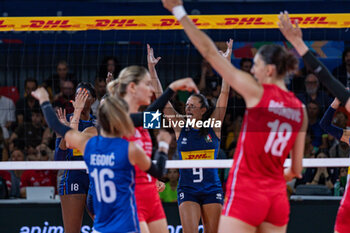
(198, 154)
(82, 23)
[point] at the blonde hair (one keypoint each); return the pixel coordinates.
(113, 117)
(128, 75)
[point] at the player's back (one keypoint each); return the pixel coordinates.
(267, 135)
(112, 177)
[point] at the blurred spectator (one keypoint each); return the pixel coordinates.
(62, 100)
(343, 177)
(55, 83)
(109, 64)
(7, 115)
(342, 72)
(340, 149)
(100, 88)
(170, 192)
(321, 175)
(246, 64)
(31, 133)
(313, 93)
(208, 81)
(16, 155)
(3, 147)
(39, 177)
(5, 184)
(314, 128)
(24, 106)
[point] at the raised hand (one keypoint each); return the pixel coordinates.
(41, 95)
(228, 52)
(185, 84)
(170, 4)
(61, 114)
(290, 32)
(109, 78)
(80, 99)
(151, 60)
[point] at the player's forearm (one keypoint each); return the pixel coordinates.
(74, 123)
(300, 46)
(158, 89)
(200, 40)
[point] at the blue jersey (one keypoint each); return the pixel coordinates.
(191, 145)
(112, 177)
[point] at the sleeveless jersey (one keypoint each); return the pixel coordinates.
(112, 177)
(268, 134)
(143, 139)
(192, 145)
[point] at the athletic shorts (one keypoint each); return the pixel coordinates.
(200, 198)
(74, 182)
(149, 205)
(254, 208)
(342, 223)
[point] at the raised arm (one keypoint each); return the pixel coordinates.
(326, 123)
(295, 37)
(241, 81)
(75, 138)
(221, 103)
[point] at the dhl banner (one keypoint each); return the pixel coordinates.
(198, 154)
(81, 23)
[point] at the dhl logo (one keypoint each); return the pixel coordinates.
(244, 21)
(311, 20)
(198, 154)
(174, 22)
(115, 23)
(48, 24)
(77, 152)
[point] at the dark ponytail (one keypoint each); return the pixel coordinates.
(277, 55)
(210, 109)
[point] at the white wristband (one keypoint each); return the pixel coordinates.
(179, 12)
(163, 144)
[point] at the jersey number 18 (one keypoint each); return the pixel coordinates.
(278, 137)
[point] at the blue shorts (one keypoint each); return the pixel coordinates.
(89, 201)
(200, 198)
(74, 182)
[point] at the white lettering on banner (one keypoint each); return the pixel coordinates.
(279, 109)
(87, 229)
(102, 160)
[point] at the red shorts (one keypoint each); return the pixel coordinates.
(255, 207)
(149, 206)
(342, 223)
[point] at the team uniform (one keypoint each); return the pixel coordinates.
(256, 189)
(74, 181)
(149, 205)
(198, 185)
(113, 186)
(343, 217)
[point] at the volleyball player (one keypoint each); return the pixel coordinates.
(295, 37)
(74, 184)
(199, 190)
(274, 124)
(110, 160)
(343, 217)
(134, 86)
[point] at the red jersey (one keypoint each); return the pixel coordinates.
(268, 134)
(143, 139)
(39, 178)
